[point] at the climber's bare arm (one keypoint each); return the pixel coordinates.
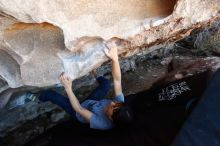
(67, 83)
(112, 53)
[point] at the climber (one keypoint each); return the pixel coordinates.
(99, 113)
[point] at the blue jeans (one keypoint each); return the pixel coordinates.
(99, 93)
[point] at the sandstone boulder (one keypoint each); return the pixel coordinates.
(36, 33)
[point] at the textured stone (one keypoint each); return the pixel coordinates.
(3, 85)
(37, 46)
(79, 18)
(9, 69)
(23, 123)
(41, 39)
(136, 26)
(207, 38)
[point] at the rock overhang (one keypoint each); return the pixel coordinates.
(35, 49)
(85, 25)
(89, 18)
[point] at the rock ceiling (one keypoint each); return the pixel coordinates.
(40, 39)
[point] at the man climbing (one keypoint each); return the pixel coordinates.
(99, 113)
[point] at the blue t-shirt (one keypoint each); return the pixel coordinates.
(99, 120)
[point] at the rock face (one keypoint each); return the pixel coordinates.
(49, 37)
(79, 18)
(41, 39)
(208, 38)
(25, 122)
(36, 58)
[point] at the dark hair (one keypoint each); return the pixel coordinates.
(123, 116)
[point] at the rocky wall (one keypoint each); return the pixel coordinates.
(21, 124)
(43, 38)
